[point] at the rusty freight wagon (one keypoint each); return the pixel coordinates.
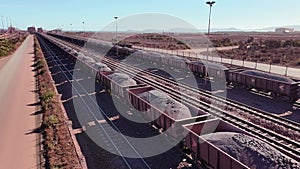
(278, 86)
(117, 83)
(163, 111)
(205, 152)
(208, 69)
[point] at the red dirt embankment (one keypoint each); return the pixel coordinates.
(58, 146)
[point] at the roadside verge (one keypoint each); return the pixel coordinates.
(59, 146)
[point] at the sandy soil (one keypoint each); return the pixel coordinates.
(17, 99)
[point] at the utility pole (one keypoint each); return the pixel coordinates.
(83, 26)
(71, 27)
(116, 18)
(210, 3)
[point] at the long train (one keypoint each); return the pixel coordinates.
(275, 85)
(203, 151)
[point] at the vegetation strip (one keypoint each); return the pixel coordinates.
(59, 149)
(8, 46)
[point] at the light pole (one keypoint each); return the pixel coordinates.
(71, 33)
(71, 27)
(271, 64)
(83, 26)
(116, 18)
(210, 3)
(286, 64)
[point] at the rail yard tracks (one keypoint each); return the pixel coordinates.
(120, 145)
(223, 108)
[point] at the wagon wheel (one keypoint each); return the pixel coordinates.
(273, 95)
(292, 99)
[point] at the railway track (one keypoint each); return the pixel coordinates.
(297, 105)
(225, 101)
(281, 142)
(118, 144)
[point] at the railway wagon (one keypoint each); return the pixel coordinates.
(85, 63)
(153, 57)
(160, 114)
(124, 50)
(101, 67)
(123, 44)
(278, 86)
(71, 53)
(206, 152)
(176, 61)
(117, 83)
(77, 40)
(208, 69)
(139, 55)
(212, 70)
(160, 59)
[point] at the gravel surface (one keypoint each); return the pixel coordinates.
(251, 151)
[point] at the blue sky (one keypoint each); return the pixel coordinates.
(244, 14)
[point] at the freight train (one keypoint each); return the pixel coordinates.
(175, 118)
(275, 85)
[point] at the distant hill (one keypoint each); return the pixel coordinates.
(188, 30)
(296, 27)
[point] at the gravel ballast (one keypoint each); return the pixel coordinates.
(268, 76)
(251, 151)
(166, 104)
(122, 79)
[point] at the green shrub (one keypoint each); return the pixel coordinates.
(51, 121)
(40, 63)
(47, 96)
(5, 47)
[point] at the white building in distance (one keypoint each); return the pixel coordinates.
(284, 30)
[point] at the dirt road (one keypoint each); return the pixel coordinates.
(17, 105)
(3, 61)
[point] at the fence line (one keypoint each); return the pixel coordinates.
(276, 69)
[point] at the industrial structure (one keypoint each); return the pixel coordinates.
(31, 29)
(284, 30)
